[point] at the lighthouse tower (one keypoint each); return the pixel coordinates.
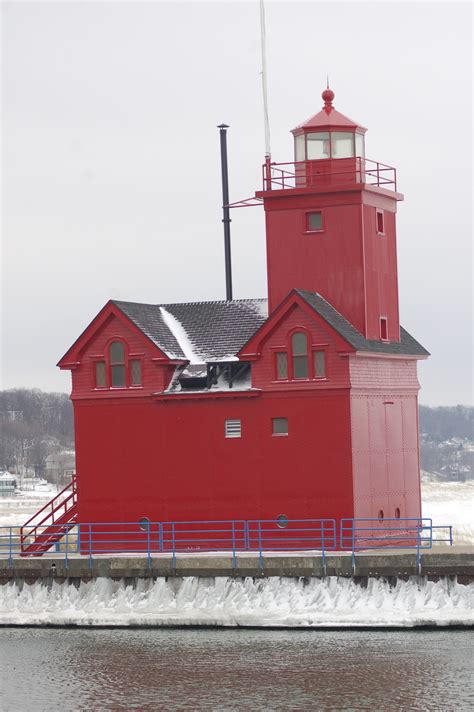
(331, 238)
(330, 224)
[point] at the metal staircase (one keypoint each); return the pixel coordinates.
(50, 523)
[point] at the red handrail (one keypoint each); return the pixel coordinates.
(52, 507)
(295, 174)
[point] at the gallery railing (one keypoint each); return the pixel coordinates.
(327, 173)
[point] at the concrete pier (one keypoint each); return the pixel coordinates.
(434, 563)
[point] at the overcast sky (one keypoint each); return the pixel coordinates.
(111, 173)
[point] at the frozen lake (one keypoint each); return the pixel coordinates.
(45, 669)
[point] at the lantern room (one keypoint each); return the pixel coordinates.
(328, 135)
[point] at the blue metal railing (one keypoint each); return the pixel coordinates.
(146, 538)
(366, 534)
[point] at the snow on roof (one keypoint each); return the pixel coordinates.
(181, 336)
(7, 476)
(200, 332)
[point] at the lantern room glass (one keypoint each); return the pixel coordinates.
(300, 154)
(321, 145)
(360, 145)
(317, 145)
(342, 144)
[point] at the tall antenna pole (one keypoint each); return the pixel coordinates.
(264, 80)
(226, 211)
(268, 179)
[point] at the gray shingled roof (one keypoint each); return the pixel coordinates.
(215, 330)
(406, 346)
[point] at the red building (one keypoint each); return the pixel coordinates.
(305, 408)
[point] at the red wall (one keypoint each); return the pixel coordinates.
(155, 377)
(352, 266)
(169, 460)
(381, 278)
(384, 417)
(329, 262)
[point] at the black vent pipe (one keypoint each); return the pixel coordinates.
(226, 211)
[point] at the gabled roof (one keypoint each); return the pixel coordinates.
(407, 346)
(206, 332)
(198, 331)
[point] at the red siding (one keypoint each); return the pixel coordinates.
(337, 368)
(352, 266)
(385, 437)
(381, 279)
(383, 373)
(154, 376)
(328, 262)
(169, 460)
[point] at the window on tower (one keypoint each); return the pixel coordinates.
(314, 221)
(383, 328)
(380, 222)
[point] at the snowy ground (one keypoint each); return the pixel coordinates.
(451, 503)
(17, 509)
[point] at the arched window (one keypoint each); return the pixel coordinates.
(301, 360)
(118, 368)
(397, 513)
(299, 348)
(117, 364)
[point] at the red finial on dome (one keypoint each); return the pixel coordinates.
(328, 96)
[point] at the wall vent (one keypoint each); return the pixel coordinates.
(233, 429)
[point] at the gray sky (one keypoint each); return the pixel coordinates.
(111, 173)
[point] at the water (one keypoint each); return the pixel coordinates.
(165, 669)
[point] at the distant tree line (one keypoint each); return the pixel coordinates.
(447, 441)
(33, 424)
(444, 423)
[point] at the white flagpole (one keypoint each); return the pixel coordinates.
(264, 83)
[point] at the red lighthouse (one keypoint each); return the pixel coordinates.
(304, 407)
(334, 231)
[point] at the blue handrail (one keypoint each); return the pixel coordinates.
(92, 539)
